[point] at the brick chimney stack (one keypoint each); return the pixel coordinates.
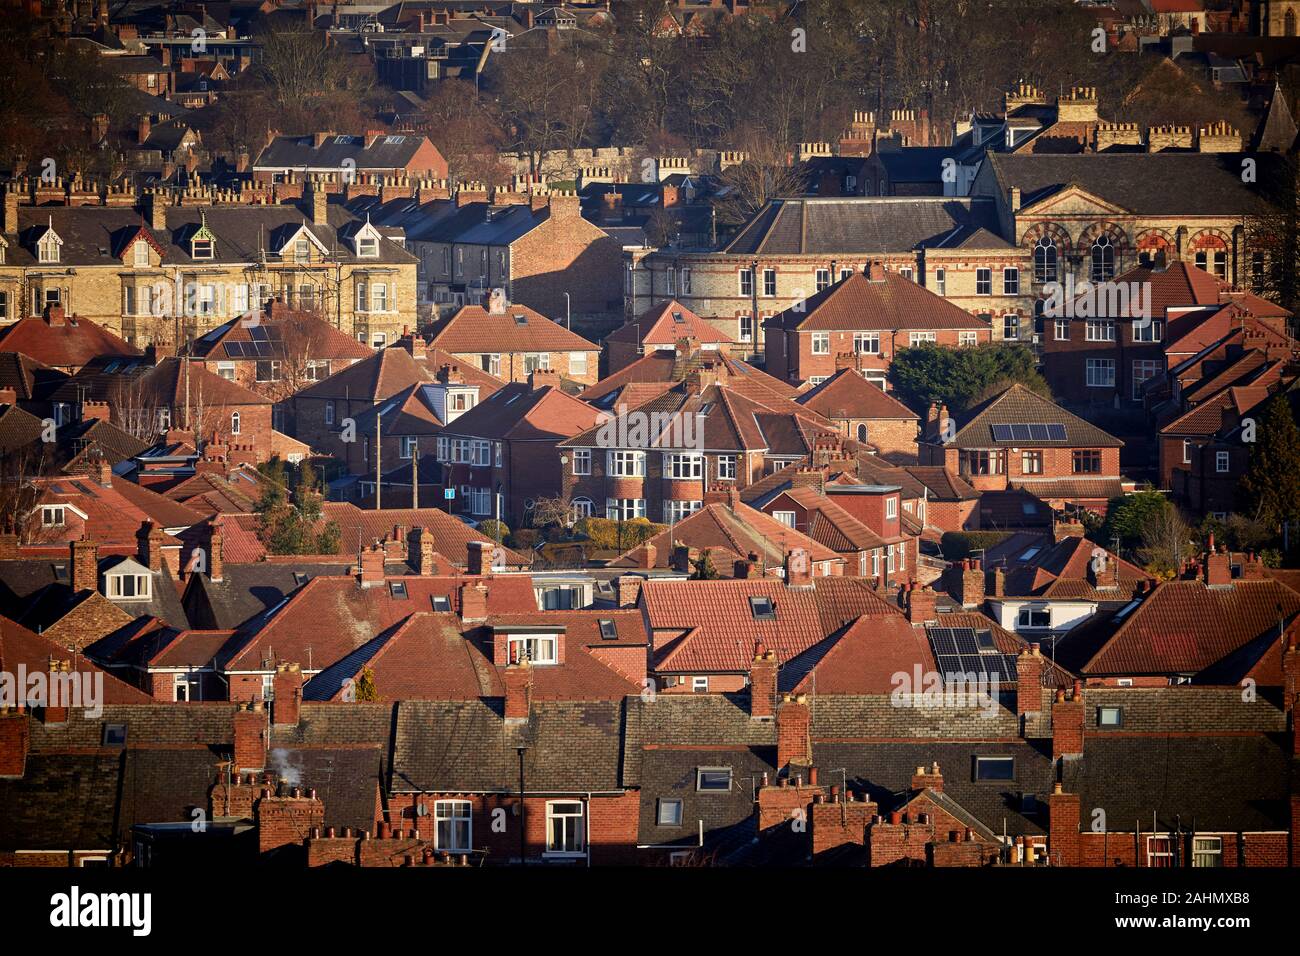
(287, 687)
(762, 684)
(518, 680)
(1067, 723)
(370, 566)
(149, 542)
(931, 778)
(922, 604)
(14, 742)
(84, 565)
(419, 550)
(473, 602)
(793, 731)
(478, 557)
(1218, 566)
(1103, 571)
(798, 568)
(1029, 680)
(250, 736)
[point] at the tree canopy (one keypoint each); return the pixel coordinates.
(962, 378)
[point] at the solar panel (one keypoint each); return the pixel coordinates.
(1056, 432)
(1029, 431)
(235, 349)
(1001, 433)
(1039, 432)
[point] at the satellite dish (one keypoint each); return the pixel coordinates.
(421, 810)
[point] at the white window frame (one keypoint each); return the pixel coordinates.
(786, 518)
(114, 587)
(683, 465)
(1010, 280)
(625, 464)
(866, 343)
(541, 648)
(819, 343)
(582, 461)
(727, 467)
(574, 833)
(577, 363)
(1222, 462)
(454, 813)
(1093, 373)
(916, 338)
(967, 339)
(745, 281)
(53, 516)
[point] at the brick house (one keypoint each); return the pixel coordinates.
(149, 400)
(794, 249)
(1021, 440)
(502, 455)
(661, 328)
(866, 413)
(863, 523)
(511, 341)
(658, 460)
(1104, 356)
(868, 315)
(277, 351)
(535, 245)
(433, 385)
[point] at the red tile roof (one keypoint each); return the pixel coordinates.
(657, 326)
(518, 412)
(63, 343)
(329, 617)
(893, 303)
(1060, 572)
(718, 629)
(1184, 626)
(451, 536)
(19, 646)
(519, 329)
(846, 394)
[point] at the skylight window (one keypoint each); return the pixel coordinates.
(397, 589)
(762, 608)
(608, 631)
(521, 320)
(1029, 553)
(441, 602)
(713, 779)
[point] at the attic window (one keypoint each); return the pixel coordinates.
(201, 249)
(141, 253)
(113, 735)
(48, 250)
(1110, 716)
(299, 578)
(608, 631)
(713, 779)
(397, 589)
(995, 768)
(128, 587)
(1029, 553)
(441, 602)
(762, 608)
(53, 516)
(367, 247)
(521, 320)
(985, 641)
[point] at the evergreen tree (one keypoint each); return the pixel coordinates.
(1271, 485)
(704, 569)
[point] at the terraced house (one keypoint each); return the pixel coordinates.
(167, 266)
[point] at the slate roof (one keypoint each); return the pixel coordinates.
(460, 746)
(246, 590)
(858, 303)
(1018, 405)
(94, 235)
(297, 152)
(18, 429)
(863, 226)
(30, 379)
(1146, 184)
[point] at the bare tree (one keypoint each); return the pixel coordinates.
(765, 174)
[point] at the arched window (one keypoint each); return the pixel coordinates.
(862, 433)
(1103, 259)
(582, 508)
(1288, 24)
(1045, 254)
(234, 423)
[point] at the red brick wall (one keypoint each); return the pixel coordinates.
(282, 821)
(567, 254)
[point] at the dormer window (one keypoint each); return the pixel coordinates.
(539, 649)
(141, 253)
(128, 587)
(53, 516)
(202, 248)
(301, 250)
(47, 250)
